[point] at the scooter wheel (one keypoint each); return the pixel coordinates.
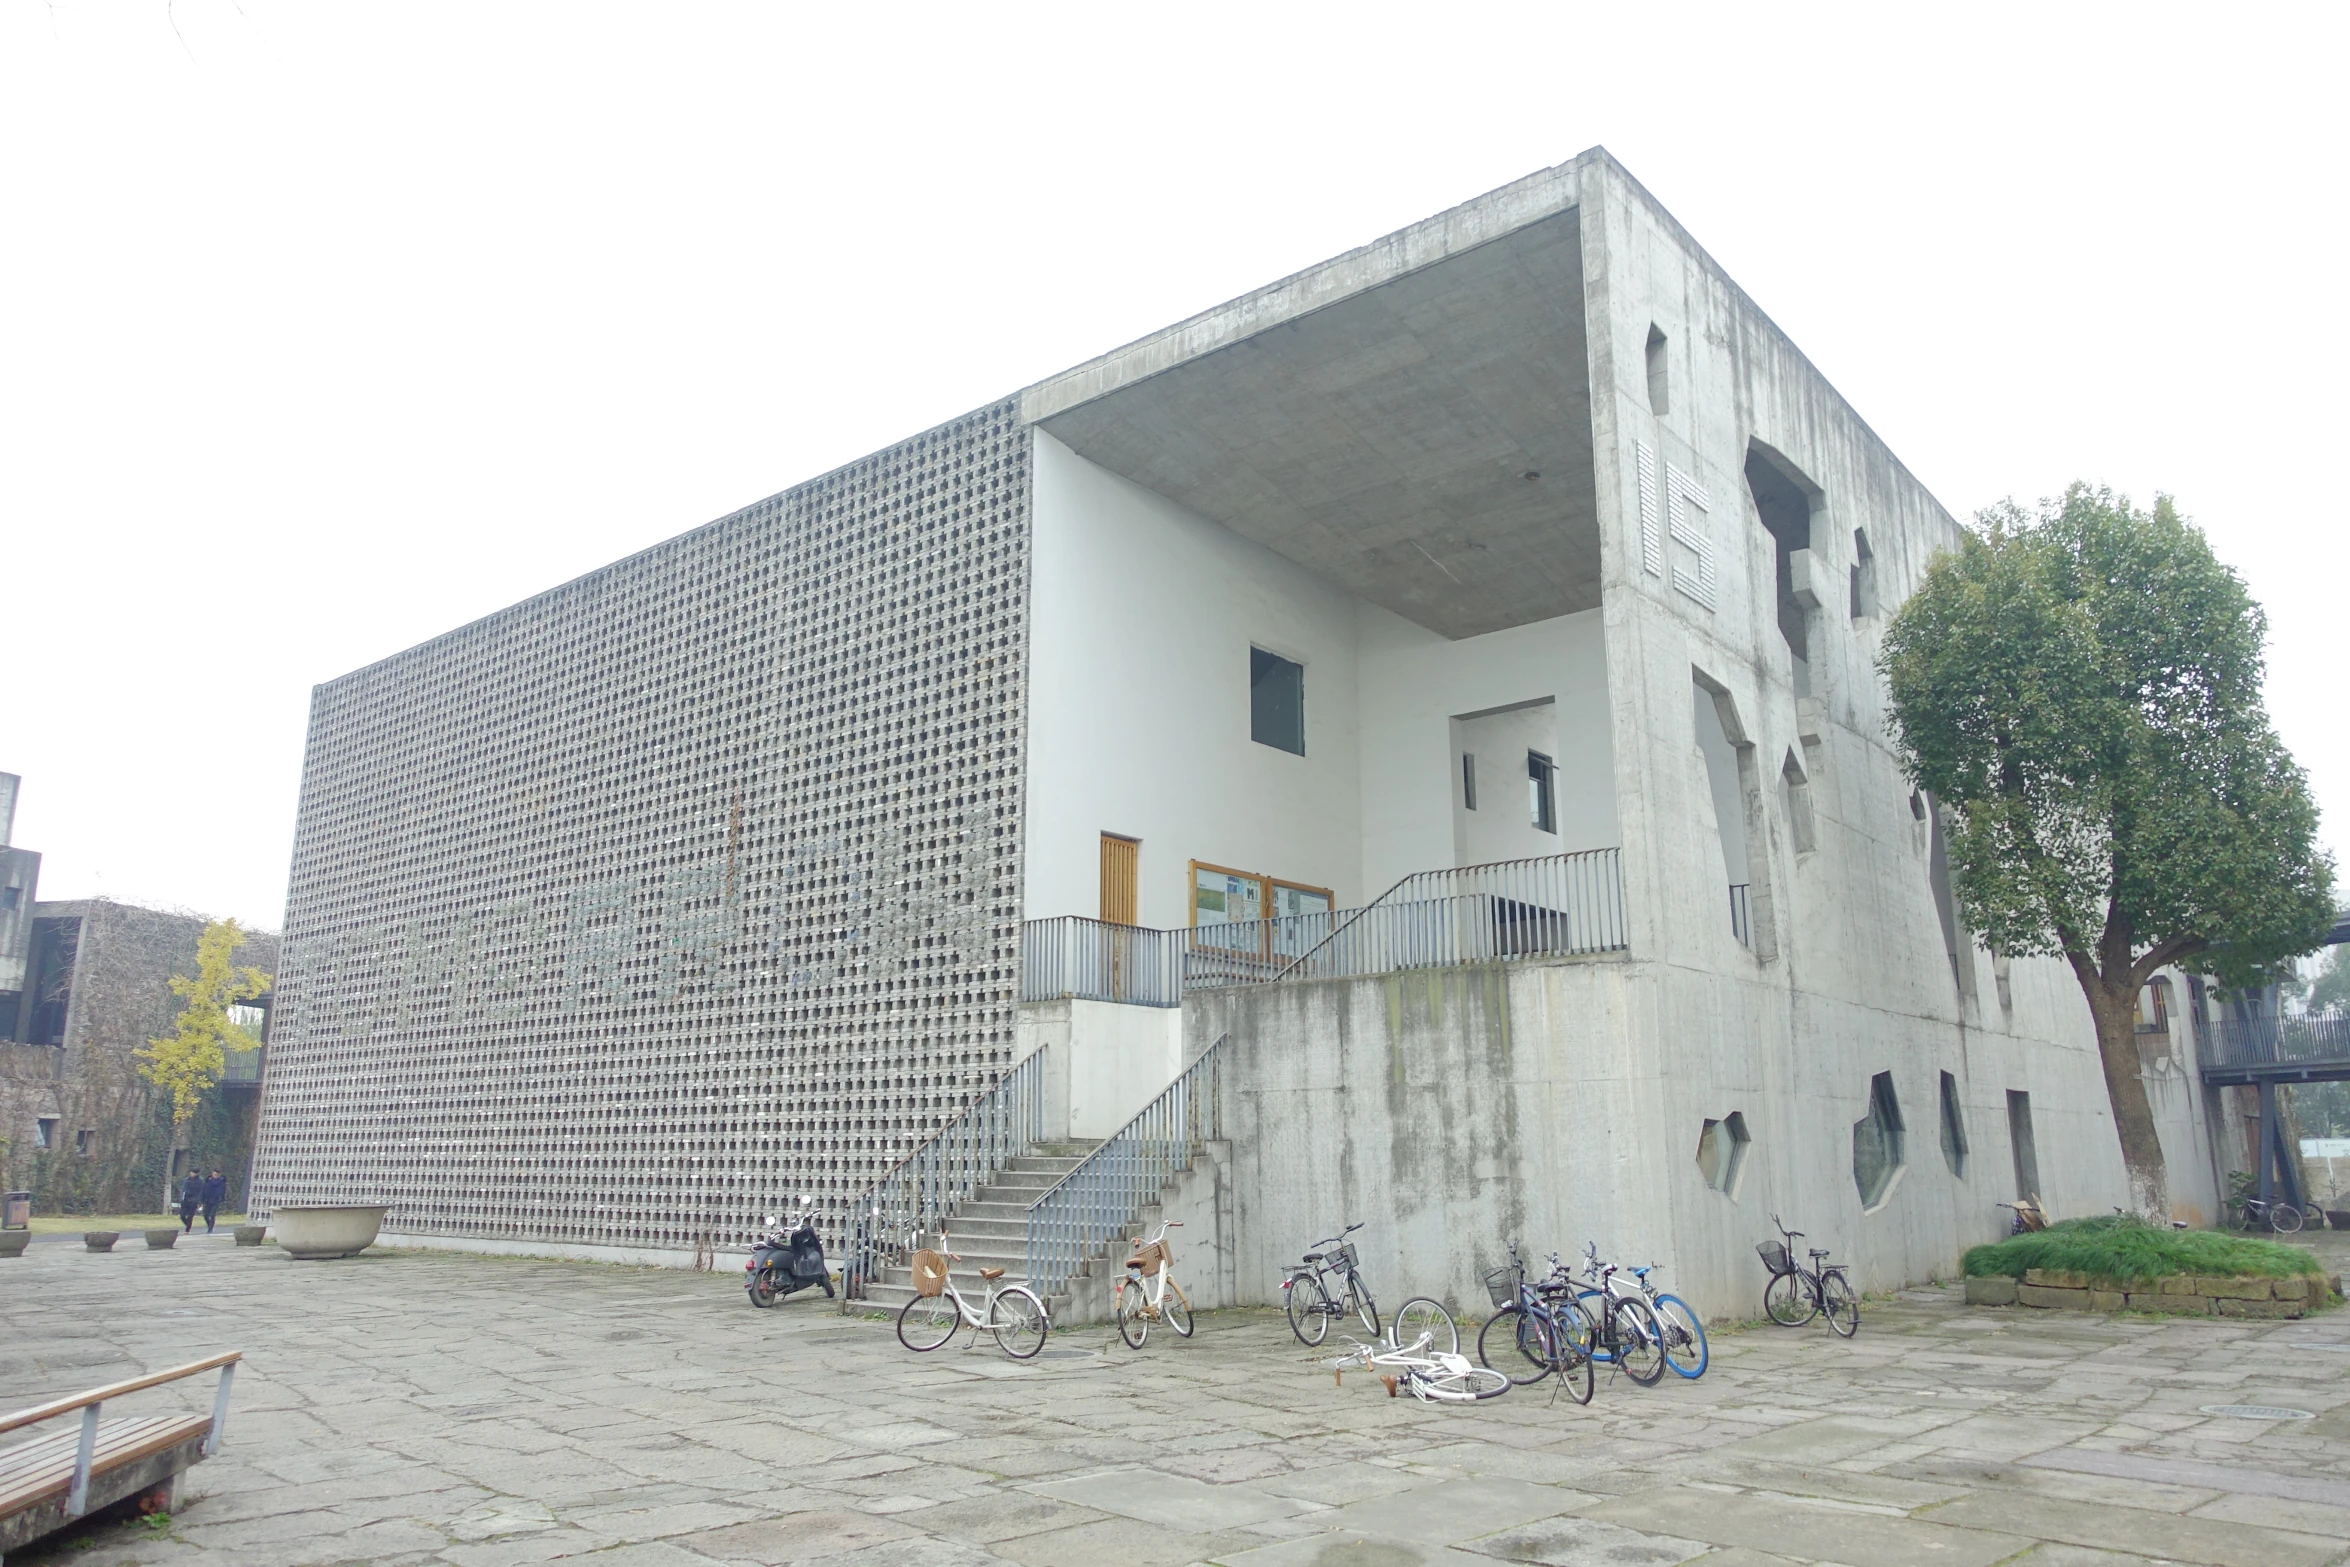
(828, 1291)
(762, 1293)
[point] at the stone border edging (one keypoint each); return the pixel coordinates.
(2176, 1294)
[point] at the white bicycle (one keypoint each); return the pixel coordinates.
(1148, 1293)
(1013, 1314)
(1435, 1375)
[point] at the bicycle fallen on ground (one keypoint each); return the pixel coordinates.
(1422, 1370)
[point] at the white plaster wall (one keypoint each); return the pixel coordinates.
(1142, 615)
(1502, 826)
(1120, 1057)
(1414, 683)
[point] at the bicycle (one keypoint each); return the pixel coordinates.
(1542, 1325)
(1432, 1375)
(2283, 1217)
(1013, 1314)
(1626, 1334)
(1795, 1295)
(1682, 1336)
(1307, 1298)
(1153, 1261)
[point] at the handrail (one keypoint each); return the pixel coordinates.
(1098, 1198)
(39, 1412)
(1546, 905)
(944, 1170)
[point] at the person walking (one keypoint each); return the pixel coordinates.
(191, 1200)
(215, 1193)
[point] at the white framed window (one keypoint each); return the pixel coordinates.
(1542, 806)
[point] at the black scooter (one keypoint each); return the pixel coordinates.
(783, 1264)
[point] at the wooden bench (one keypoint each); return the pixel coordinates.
(50, 1481)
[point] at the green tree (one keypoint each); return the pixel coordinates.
(193, 1058)
(2328, 989)
(2079, 690)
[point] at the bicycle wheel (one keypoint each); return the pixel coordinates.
(1516, 1344)
(1365, 1307)
(1843, 1306)
(1017, 1319)
(1570, 1340)
(1176, 1310)
(1591, 1306)
(2284, 1218)
(1309, 1309)
(927, 1321)
(1685, 1347)
(1639, 1346)
(1788, 1300)
(1461, 1386)
(1133, 1326)
(1421, 1315)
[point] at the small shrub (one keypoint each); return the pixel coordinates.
(2123, 1247)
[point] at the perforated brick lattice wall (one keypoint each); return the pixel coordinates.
(626, 914)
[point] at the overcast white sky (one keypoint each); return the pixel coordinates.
(326, 328)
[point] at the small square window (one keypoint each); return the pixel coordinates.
(1276, 701)
(1542, 792)
(45, 1131)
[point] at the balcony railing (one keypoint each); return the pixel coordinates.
(1092, 960)
(2319, 1039)
(1555, 906)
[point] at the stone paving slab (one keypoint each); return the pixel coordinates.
(408, 1409)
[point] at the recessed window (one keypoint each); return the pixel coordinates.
(1660, 392)
(1953, 1128)
(1469, 779)
(1800, 825)
(45, 1131)
(1864, 576)
(2019, 1143)
(1542, 806)
(85, 1141)
(1721, 1152)
(1276, 701)
(11, 897)
(1876, 1143)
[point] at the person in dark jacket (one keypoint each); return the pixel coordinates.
(215, 1193)
(191, 1200)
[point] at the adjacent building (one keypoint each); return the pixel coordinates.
(1512, 578)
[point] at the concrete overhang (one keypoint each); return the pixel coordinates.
(1411, 420)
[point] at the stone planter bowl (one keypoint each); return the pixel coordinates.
(101, 1240)
(251, 1234)
(160, 1240)
(2339, 1218)
(313, 1233)
(12, 1242)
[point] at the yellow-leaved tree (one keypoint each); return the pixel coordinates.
(194, 1058)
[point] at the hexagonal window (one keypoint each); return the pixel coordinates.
(1721, 1152)
(1876, 1143)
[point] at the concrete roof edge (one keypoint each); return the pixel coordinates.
(1602, 158)
(1543, 194)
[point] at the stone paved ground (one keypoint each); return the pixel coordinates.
(413, 1408)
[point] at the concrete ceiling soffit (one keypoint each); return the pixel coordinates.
(1383, 441)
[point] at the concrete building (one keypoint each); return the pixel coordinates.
(1081, 728)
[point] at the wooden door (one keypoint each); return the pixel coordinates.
(1121, 861)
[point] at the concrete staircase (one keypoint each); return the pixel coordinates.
(990, 1230)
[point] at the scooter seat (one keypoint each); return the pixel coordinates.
(991, 1274)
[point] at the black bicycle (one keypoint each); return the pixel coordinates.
(1538, 1330)
(1797, 1294)
(1327, 1286)
(1626, 1333)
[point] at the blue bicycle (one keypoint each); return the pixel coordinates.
(1682, 1335)
(1538, 1330)
(1631, 1336)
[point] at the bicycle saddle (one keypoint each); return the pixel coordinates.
(1313, 1256)
(1817, 1252)
(1642, 1273)
(991, 1274)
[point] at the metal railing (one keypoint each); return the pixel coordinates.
(1556, 905)
(1741, 914)
(1092, 1205)
(2319, 1039)
(1092, 960)
(931, 1182)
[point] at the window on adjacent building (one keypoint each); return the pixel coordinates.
(45, 1131)
(1542, 806)
(1276, 701)
(1469, 779)
(10, 897)
(85, 1141)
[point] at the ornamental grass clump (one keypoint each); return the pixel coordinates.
(2126, 1249)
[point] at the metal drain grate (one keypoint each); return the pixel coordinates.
(2256, 1412)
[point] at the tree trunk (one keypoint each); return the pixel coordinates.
(2133, 1113)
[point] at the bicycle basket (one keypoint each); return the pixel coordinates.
(1150, 1258)
(1774, 1256)
(930, 1273)
(1341, 1257)
(1501, 1286)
